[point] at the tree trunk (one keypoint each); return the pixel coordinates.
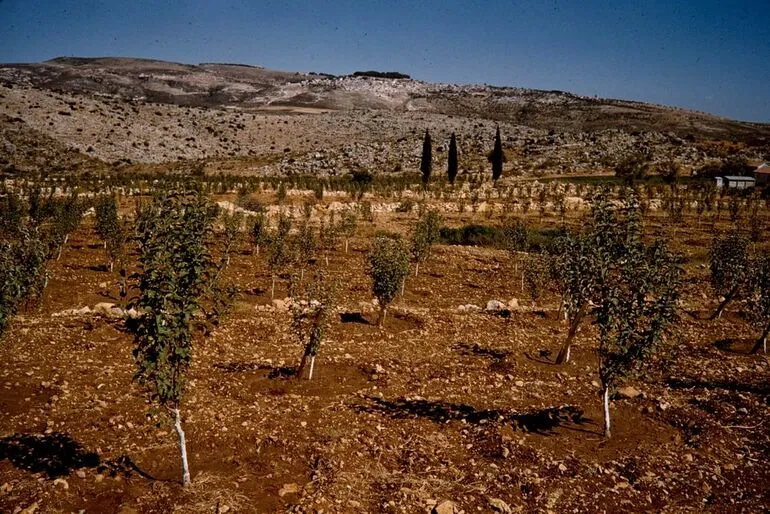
(721, 307)
(606, 411)
(346, 246)
(301, 367)
(381, 317)
(272, 289)
(326, 257)
(403, 286)
(563, 357)
(416, 270)
(762, 341)
(182, 447)
(312, 365)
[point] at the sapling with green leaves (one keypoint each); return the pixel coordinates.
(578, 260)
(537, 272)
(514, 240)
(232, 224)
(312, 309)
(304, 244)
(258, 232)
(22, 271)
(66, 215)
(111, 229)
(637, 295)
(423, 235)
(758, 300)
(729, 266)
(387, 264)
(173, 234)
(279, 251)
(329, 235)
(348, 225)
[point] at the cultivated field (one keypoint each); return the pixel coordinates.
(447, 407)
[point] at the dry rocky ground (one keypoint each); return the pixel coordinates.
(441, 410)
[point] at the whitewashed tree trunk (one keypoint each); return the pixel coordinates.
(346, 246)
(607, 412)
(272, 289)
(182, 447)
(312, 365)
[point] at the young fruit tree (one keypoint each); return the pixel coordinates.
(173, 234)
(426, 161)
(347, 226)
(729, 265)
(311, 312)
(515, 240)
(259, 231)
(424, 234)
(279, 252)
(66, 216)
(110, 229)
(328, 235)
(537, 272)
(387, 264)
(758, 300)
(303, 247)
(232, 222)
(578, 260)
(637, 296)
(22, 271)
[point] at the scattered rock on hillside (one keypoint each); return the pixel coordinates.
(627, 393)
(494, 306)
(445, 507)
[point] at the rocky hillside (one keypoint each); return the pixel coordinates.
(250, 119)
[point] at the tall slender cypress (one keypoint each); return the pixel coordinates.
(451, 169)
(427, 157)
(497, 158)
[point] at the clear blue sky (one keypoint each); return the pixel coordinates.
(708, 55)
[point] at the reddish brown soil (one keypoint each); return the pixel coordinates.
(436, 405)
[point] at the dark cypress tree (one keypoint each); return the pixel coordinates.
(497, 157)
(427, 157)
(451, 169)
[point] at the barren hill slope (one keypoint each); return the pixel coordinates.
(141, 110)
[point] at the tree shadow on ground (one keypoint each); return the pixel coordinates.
(540, 421)
(737, 346)
(57, 455)
(468, 349)
(728, 385)
(354, 317)
(240, 367)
